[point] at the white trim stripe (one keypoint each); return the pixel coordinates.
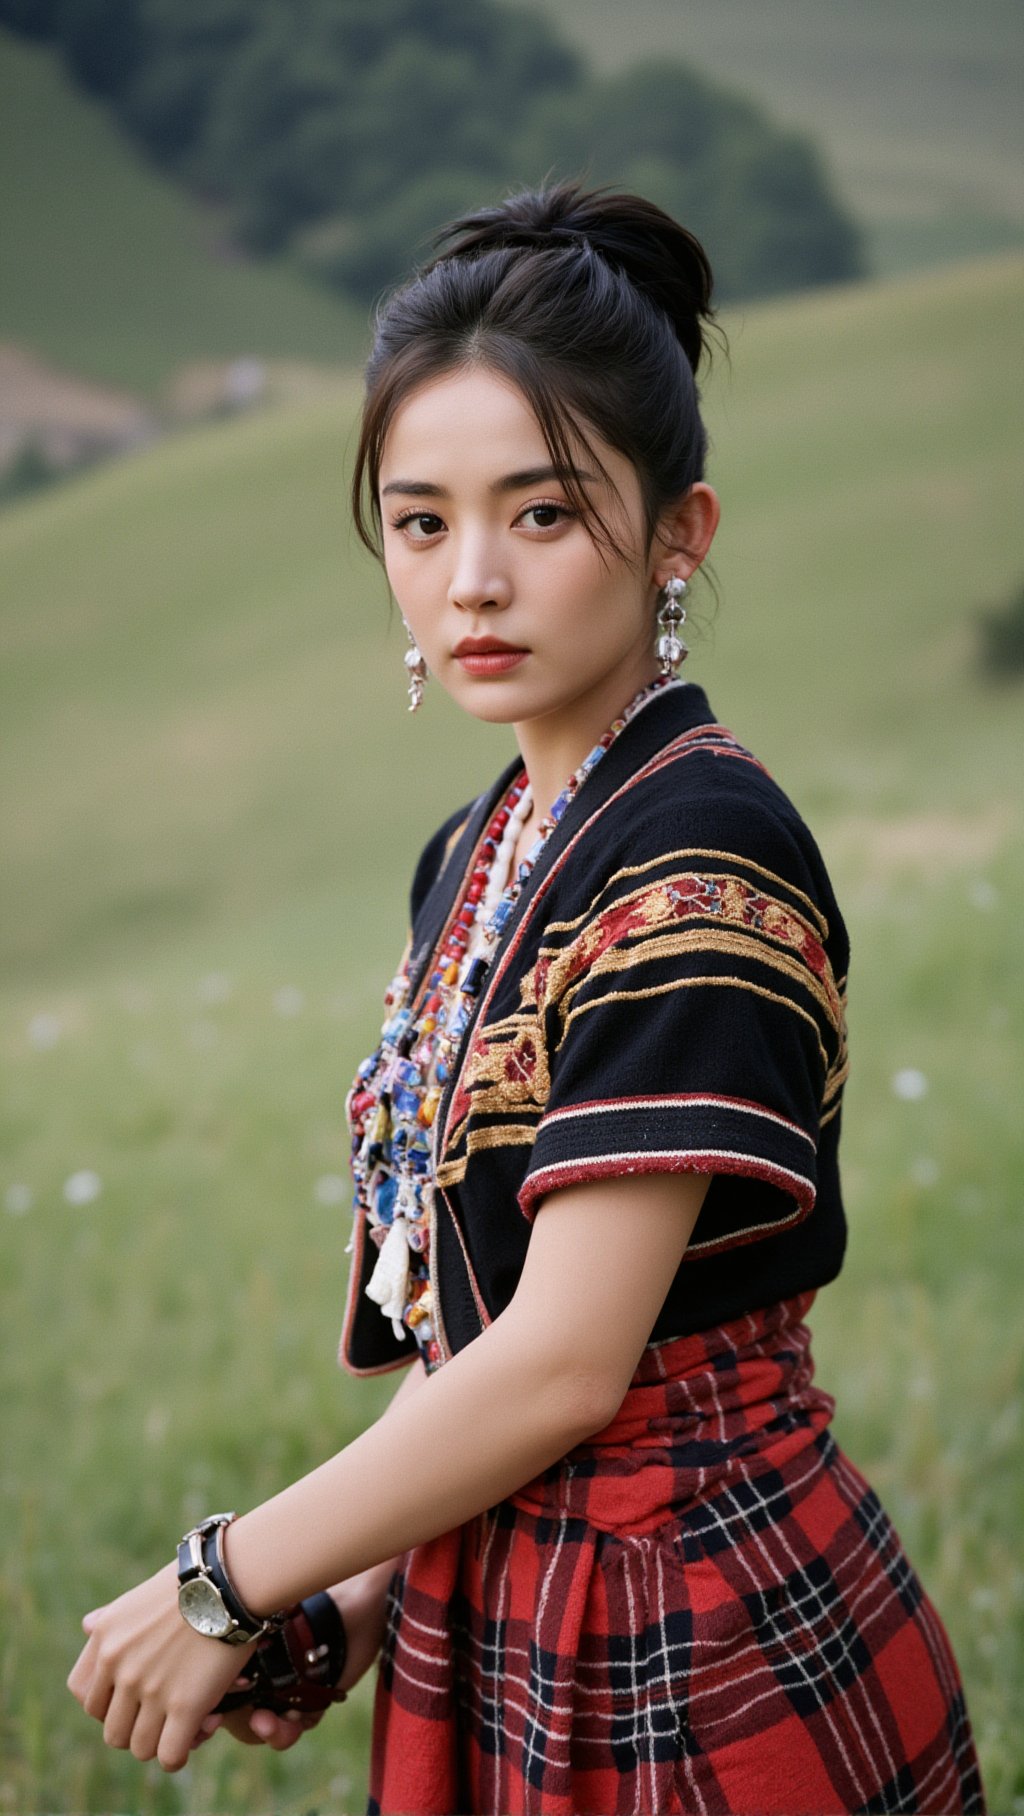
(622, 1162)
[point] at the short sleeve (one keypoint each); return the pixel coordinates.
(695, 1023)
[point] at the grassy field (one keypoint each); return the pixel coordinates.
(214, 797)
(916, 106)
(111, 270)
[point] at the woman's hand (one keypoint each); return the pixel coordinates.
(259, 1727)
(147, 1676)
(154, 1683)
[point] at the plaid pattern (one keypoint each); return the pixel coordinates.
(703, 1609)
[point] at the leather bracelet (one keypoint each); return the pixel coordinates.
(217, 1570)
(298, 1666)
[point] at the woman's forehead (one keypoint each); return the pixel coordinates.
(470, 405)
(477, 424)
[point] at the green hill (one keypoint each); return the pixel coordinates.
(213, 798)
(109, 269)
(915, 105)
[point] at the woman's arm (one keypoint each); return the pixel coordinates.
(550, 1371)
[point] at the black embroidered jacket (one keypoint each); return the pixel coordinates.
(668, 996)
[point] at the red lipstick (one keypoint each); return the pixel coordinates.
(488, 655)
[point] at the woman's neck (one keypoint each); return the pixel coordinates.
(553, 746)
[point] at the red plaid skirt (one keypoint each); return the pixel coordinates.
(704, 1608)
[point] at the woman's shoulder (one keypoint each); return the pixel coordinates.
(706, 801)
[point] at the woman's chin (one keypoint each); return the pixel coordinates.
(493, 699)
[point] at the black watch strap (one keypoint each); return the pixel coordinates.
(213, 1560)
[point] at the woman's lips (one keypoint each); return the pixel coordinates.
(491, 662)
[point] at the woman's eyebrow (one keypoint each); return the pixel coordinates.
(413, 488)
(535, 476)
(510, 482)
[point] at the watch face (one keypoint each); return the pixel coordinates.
(203, 1609)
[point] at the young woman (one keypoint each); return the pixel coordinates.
(615, 1557)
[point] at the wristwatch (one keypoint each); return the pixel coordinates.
(206, 1596)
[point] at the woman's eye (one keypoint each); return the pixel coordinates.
(545, 516)
(420, 526)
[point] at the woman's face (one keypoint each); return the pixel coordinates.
(481, 543)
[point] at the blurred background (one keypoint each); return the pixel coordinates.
(213, 796)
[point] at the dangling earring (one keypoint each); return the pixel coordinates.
(416, 670)
(671, 617)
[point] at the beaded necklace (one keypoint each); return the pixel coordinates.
(393, 1102)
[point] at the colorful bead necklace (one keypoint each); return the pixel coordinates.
(393, 1102)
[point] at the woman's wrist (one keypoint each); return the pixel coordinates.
(251, 1579)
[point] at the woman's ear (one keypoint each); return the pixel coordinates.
(684, 534)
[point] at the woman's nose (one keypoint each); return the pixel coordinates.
(477, 582)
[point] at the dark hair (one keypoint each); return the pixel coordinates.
(596, 305)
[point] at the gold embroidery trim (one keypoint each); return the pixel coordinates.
(690, 852)
(496, 1135)
(673, 945)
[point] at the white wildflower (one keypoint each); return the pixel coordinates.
(155, 1425)
(982, 894)
(909, 1084)
(330, 1188)
(45, 1030)
(214, 987)
(82, 1187)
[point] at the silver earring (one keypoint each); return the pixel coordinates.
(671, 617)
(416, 670)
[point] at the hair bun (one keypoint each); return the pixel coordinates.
(661, 258)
